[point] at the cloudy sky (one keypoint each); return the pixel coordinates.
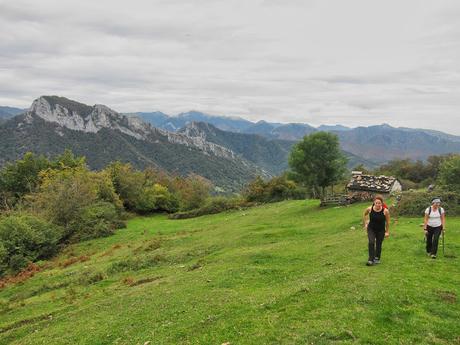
(354, 62)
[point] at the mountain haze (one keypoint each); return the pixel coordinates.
(175, 123)
(382, 143)
(373, 144)
(9, 112)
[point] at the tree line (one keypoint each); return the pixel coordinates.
(442, 171)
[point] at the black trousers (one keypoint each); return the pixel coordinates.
(375, 242)
(432, 239)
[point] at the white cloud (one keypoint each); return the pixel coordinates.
(355, 62)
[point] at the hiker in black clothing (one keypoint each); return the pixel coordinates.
(376, 221)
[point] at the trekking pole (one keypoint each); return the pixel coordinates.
(443, 243)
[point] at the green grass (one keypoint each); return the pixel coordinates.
(284, 273)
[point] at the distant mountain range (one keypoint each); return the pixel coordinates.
(373, 144)
(9, 112)
(229, 151)
(290, 131)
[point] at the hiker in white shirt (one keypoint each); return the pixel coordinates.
(434, 223)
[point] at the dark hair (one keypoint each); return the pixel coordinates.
(378, 197)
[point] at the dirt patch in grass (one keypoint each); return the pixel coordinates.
(90, 277)
(22, 276)
(110, 251)
(195, 266)
(135, 264)
(74, 260)
(24, 322)
(447, 296)
(153, 244)
(148, 246)
(343, 336)
(130, 281)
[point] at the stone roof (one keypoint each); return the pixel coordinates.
(371, 183)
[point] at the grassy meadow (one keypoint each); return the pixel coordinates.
(282, 273)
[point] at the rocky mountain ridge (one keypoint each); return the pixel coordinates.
(103, 135)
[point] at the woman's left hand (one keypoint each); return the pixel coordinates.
(387, 234)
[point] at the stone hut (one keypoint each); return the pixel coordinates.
(365, 187)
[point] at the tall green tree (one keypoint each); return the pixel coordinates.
(449, 174)
(20, 177)
(317, 161)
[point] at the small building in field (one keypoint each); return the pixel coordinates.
(364, 187)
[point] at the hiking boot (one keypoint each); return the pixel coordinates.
(370, 263)
(376, 261)
(433, 256)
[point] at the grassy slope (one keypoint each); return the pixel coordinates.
(285, 273)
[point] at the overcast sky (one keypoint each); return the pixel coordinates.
(354, 62)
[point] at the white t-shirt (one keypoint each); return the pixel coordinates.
(434, 219)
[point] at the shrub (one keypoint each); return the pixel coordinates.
(64, 193)
(256, 190)
(408, 184)
(96, 220)
(128, 182)
(191, 191)
(415, 203)
(25, 238)
(280, 188)
(82, 201)
(155, 198)
(106, 190)
(277, 189)
(140, 191)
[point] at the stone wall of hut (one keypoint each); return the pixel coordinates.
(361, 195)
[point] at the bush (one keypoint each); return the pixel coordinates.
(127, 181)
(277, 189)
(191, 191)
(25, 238)
(155, 198)
(280, 188)
(64, 193)
(408, 184)
(82, 201)
(140, 191)
(23, 176)
(256, 190)
(415, 203)
(96, 220)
